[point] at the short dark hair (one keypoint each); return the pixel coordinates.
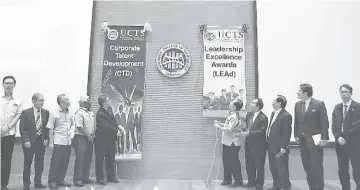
(307, 88)
(223, 90)
(259, 103)
(238, 105)
(9, 77)
(232, 86)
(282, 100)
(241, 90)
(35, 96)
(211, 93)
(58, 98)
(347, 87)
(102, 99)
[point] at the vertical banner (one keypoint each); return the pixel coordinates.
(123, 80)
(224, 70)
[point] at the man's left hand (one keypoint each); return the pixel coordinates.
(45, 142)
(279, 154)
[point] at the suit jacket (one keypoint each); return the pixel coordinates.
(28, 125)
(224, 103)
(121, 119)
(106, 127)
(137, 120)
(351, 123)
(229, 97)
(280, 132)
(256, 141)
(211, 105)
(314, 121)
(130, 122)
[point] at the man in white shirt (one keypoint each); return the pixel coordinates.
(62, 128)
(10, 108)
(83, 142)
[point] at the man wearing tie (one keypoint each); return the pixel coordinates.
(278, 136)
(346, 130)
(255, 144)
(35, 136)
(311, 119)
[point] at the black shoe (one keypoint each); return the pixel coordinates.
(88, 181)
(39, 186)
(64, 184)
(225, 182)
(53, 186)
(259, 187)
(249, 185)
(26, 187)
(114, 180)
(102, 182)
(237, 184)
(78, 184)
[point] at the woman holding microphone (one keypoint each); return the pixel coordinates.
(231, 144)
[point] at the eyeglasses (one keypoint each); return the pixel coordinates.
(9, 83)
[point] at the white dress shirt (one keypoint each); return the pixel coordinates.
(255, 115)
(307, 102)
(276, 113)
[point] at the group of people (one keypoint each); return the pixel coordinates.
(61, 130)
(222, 102)
(130, 119)
(311, 126)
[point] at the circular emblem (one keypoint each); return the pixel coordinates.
(112, 34)
(209, 36)
(173, 60)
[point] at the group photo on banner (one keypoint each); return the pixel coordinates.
(123, 81)
(224, 70)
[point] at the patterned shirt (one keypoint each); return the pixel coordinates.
(232, 135)
(9, 108)
(62, 123)
(84, 119)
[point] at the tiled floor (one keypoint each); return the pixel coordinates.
(297, 177)
(164, 184)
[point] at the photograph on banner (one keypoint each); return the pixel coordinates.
(224, 70)
(123, 80)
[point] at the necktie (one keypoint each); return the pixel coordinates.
(345, 111)
(38, 122)
(344, 117)
(303, 107)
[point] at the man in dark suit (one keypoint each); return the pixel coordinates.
(278, 136)
(138, 125)
(212, 103)
(105, 141)
(346, 130)
(34, 136)
(121, 119)
(311, 133)
(224, 101)
(255, 144)
(232, 94)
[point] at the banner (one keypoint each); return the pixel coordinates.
(224, 70)
(123, 80)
